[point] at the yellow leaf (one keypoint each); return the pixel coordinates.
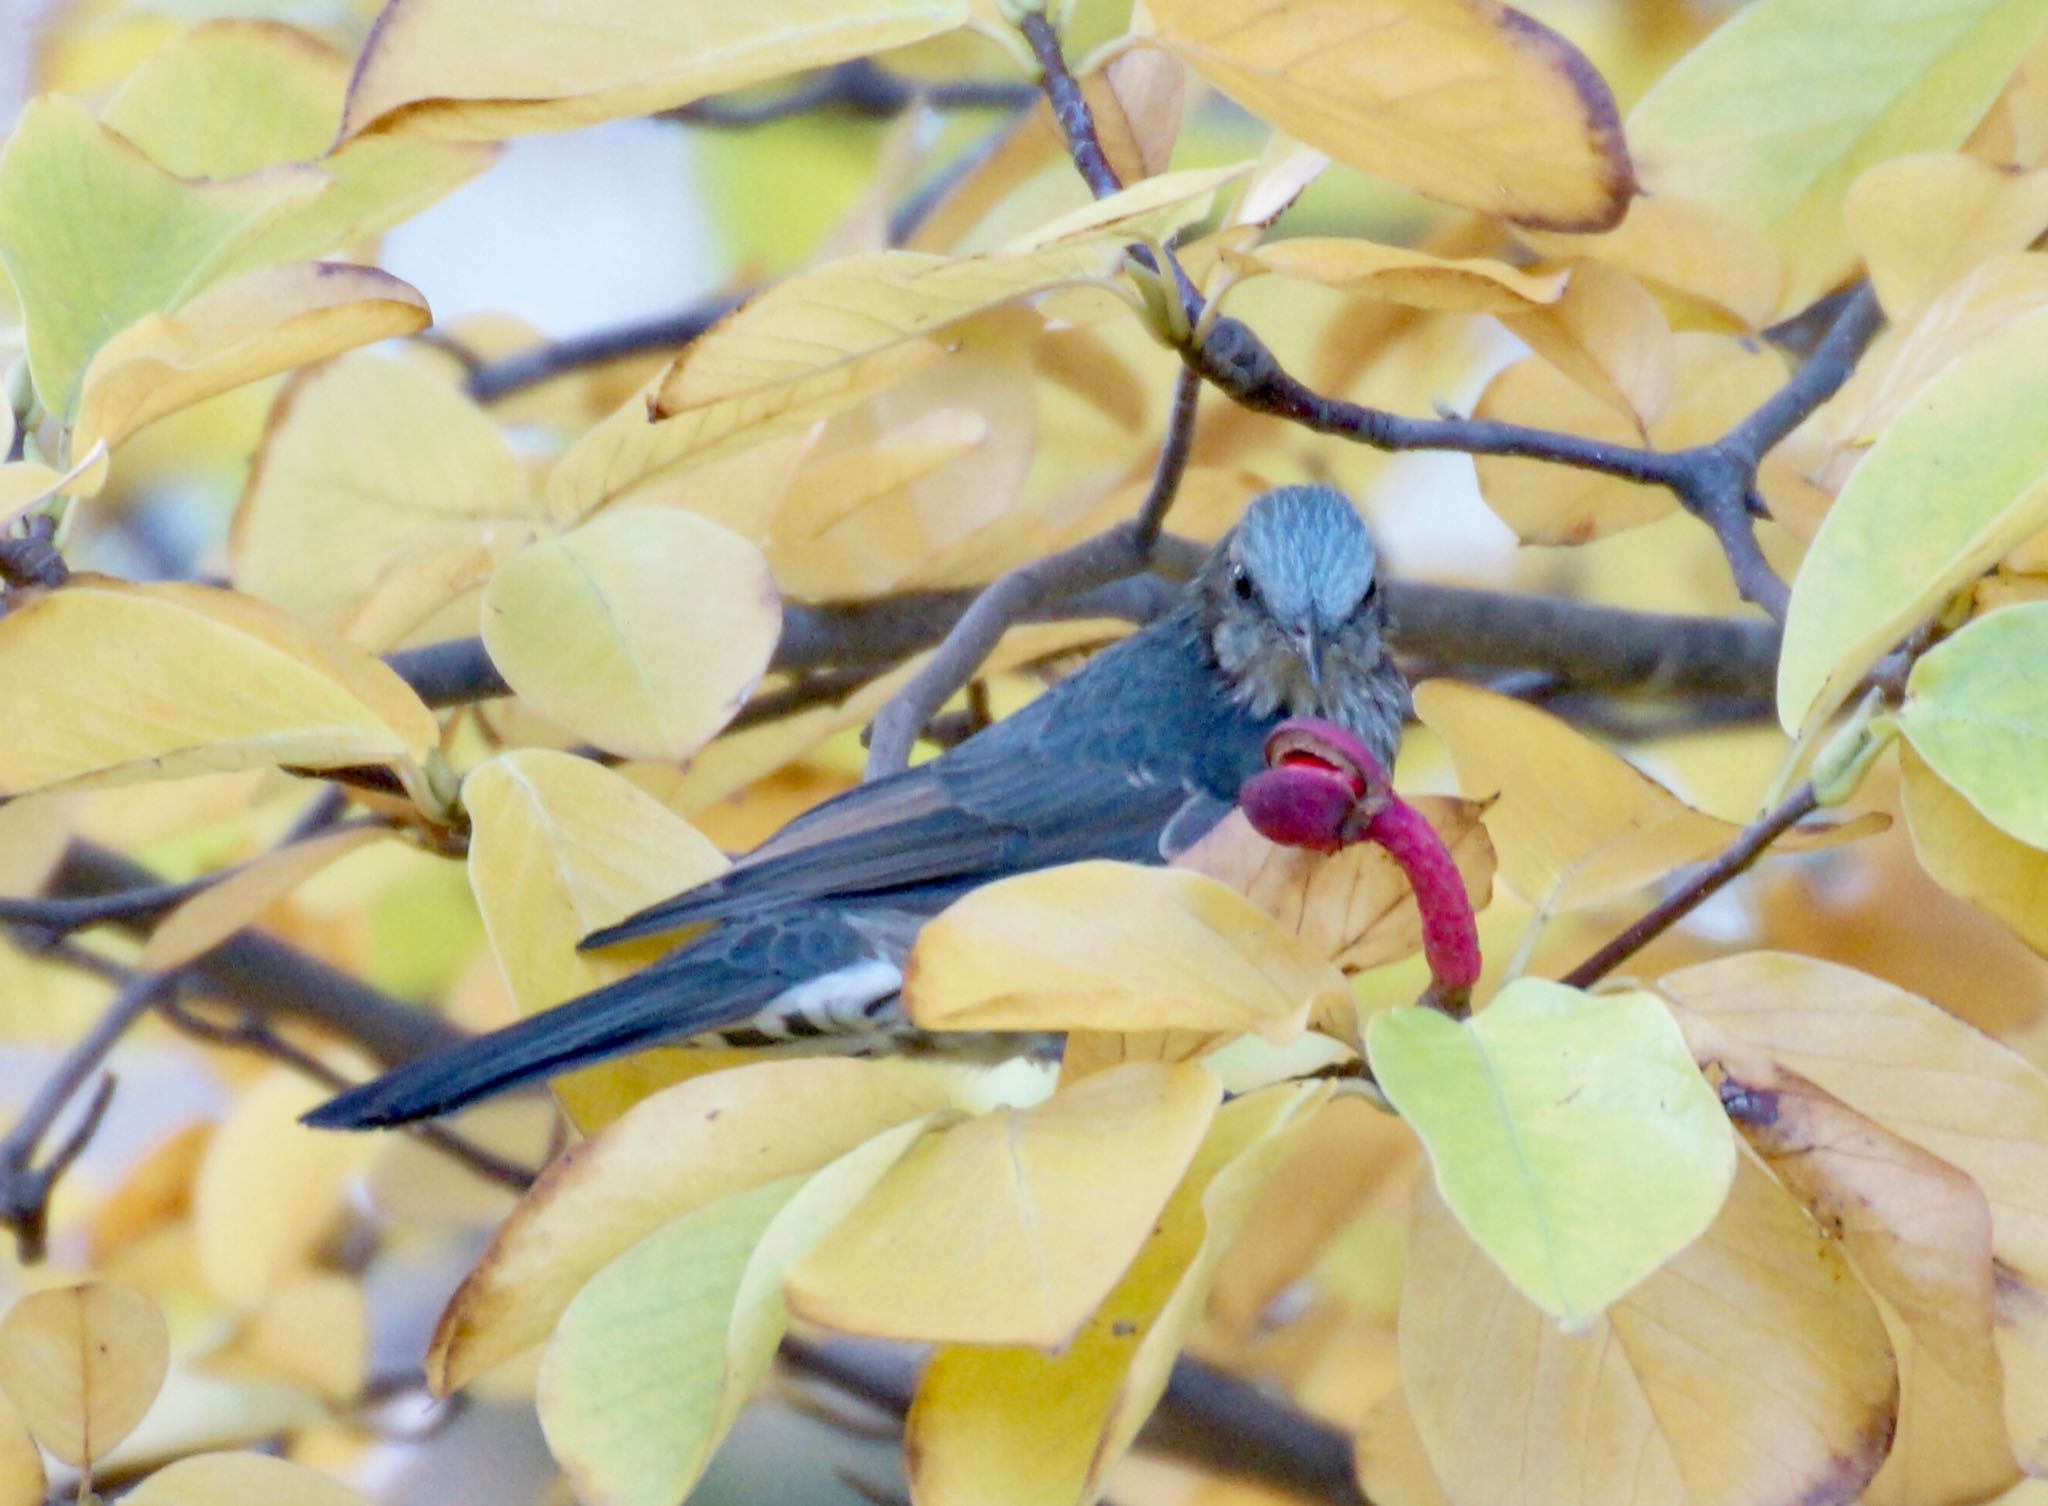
(560, 846)
(82, 1364)
(94, 235)
(470, 70)
(1820, 102)
(370, 464)
(681, 1150)
(1929, 1078)
(1884, 559)
(1574, 824)
(1011, 1228)
(653, 1361)
(230, 97)
(1393, 1466)
(825, 339)
(1918, 1232)
(241, 1480)
(1474, 285)
(1751, 1368)
(1471, 103)
(1903, 359)
(642, 630)
(1113, 946)
(1356, 906)
(1685, 250)
(1921, 222)
(22, 1480)
(217, 912)
(1970, 857)
(1012, 1426)
(1137, 107)
(33, 836)
(1717, 383)
(234, 333)
(849, 525)
(314, 1330)
(269, 1188)
(162, 681)
(1609, 336)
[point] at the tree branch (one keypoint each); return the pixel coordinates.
(256, 969)
(1716, 482)
(490, 381)
(1709, 880)
(1107, 557)
(861, 88)
(1207, 1417)
(24, 1186)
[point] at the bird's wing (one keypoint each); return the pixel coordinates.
(1099, 767)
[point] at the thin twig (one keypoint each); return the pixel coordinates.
(1696, 890)
(249, 1033)
(25, 1187)
(1109, 556)
(490, 381)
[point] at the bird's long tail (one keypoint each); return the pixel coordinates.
(794, 974)
(675, 999)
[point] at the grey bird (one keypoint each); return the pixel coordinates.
(1134, 756)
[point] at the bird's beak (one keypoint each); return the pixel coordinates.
(1312, 645)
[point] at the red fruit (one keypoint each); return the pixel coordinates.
(1300, 805)
(1323, 790)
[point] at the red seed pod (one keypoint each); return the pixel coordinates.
(1323, 790)
(1299, 805)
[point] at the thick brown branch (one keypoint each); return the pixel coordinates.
(1709, 880)
(259, 971)
(861, 88)
(1207, 1417)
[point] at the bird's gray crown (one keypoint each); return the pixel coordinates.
(1307, 553)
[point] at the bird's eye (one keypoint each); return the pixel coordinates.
(1241, 583)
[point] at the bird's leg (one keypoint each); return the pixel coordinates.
(1323, 790)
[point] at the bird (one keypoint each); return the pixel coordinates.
(1134, 756)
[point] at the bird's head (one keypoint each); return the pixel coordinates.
(1295, 617)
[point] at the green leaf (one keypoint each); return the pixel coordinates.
(1571, 1134)
(1978, 714)
(654, 1359)
(94, 235)
(1959, 478)
(234, 97)
(1774, 115)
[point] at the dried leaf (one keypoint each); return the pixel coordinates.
(82, 1364)
(1751, 1368)
(1474, 104)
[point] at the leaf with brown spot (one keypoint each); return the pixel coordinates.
(1751, 1368)
(82, 1364)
